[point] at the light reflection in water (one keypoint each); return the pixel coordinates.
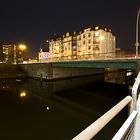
(47, 108)
(23, 94)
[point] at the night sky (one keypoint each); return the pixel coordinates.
(33, 22)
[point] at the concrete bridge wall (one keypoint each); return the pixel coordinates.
(11, 71)
(47, 71)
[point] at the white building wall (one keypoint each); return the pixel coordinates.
(98, 42)
(67, 45)
(55, 48)
(43, 56)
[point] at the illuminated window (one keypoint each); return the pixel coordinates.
(74, 47)
(96, 28)
(96, 33)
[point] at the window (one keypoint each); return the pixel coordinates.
(83, 42)
(89, 41)
(89, 35)
(89, 47)
(83, 36)
(96, 33)
(79, 38)
(97, 47)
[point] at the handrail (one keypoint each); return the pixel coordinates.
(137, 123)
(95, 127)
(134, 92)
(122, 131)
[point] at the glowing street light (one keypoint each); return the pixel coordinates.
(22, 94)
(22, 47)
(137, 43)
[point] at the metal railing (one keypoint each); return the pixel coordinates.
(99, 56)
(130, 128)
(126, 131)
(135, 92)
(89, 57)
(95, 127)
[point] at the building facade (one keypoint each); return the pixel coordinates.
(10, 53)
(43, 56)
(88, 43)
(85, 42)
(55, 48)
(67, 46)
(104, 42)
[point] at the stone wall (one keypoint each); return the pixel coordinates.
(47, 71)
(37, 70)
(11, 71)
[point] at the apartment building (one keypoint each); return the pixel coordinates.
(89, 42)
(11, 53)
(8, 53)
(55, 48)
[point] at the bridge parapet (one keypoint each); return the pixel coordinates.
(133, 64)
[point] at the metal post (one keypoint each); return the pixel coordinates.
(135, 92)
(137, 43)
(125, 130)
(137, 124)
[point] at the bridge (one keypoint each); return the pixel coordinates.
(118, 63)
(66, 68)
(130, 128)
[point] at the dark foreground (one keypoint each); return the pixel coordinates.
(33, 110)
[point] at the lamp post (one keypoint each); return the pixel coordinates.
(137, 25)
(22, 47)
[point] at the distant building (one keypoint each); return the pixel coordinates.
(43, 56)
(74, 45)
(89, 42)
(32, 60)
(10, 53)
(105, 42)
(67, 46)
(55, 48)
(85, 42)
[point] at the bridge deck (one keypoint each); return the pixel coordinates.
(109, 63)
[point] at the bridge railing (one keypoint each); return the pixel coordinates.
(95, 127)
(99, 56)
(127, 130)
(130, 129)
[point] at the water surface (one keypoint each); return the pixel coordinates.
(59, 110)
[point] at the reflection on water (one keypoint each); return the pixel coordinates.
(22, 94)
(31, 109)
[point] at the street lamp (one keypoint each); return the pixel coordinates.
(137, 43)
(22, 47)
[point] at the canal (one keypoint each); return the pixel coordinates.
(57, 110)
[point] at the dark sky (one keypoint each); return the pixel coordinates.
(34, 21)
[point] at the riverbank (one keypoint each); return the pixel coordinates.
(9, 71)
